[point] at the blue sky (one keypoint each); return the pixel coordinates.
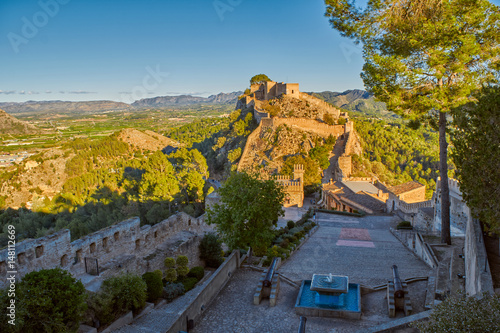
(126, 50)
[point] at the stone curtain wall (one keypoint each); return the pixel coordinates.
(477, 271)
(321, 103)
(310, 125)
(118, 247)
(250, 140)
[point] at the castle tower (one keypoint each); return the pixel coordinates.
(349, 126)
(298, 172)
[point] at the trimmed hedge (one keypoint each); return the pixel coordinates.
(154, 284)
(188, 282)
(210, 250)
(173, 290)
(197, 272)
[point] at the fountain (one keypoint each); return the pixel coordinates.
(329, 296)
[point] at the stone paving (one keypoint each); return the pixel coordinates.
(325, 252)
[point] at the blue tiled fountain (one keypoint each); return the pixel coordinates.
(329, 296)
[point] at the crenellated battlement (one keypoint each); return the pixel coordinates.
(126, 238)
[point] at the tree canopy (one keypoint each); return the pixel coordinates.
(159, 180)
(424, 58)
(259, 78)
(248, 210)
(477, 156)
(50, 300)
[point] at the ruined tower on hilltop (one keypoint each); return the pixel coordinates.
(294, 188)
(270, 89)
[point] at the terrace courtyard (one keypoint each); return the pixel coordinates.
(361, 248)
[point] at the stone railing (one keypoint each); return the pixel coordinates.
(415, 242)
(410, 208)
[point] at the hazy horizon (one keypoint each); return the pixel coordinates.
(125, 51)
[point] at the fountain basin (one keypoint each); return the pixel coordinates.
(344, 305)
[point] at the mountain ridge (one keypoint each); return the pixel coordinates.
(11, 125)
(355, 100)
(220, 98)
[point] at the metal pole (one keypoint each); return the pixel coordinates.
(302, 326)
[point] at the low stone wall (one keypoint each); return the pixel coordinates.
(477, 270)
(415, 243)
(124, 246)
(215, 284)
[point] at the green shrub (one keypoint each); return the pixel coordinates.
(296, 230)
(173, 290)
(260, 251)
(182, 261)
(404, 225)
(169, 262)
(171, 275)
(290, 224)
(285, 243)
(267, 261)
(278, 240)
(48, 293)
(159, 273)
(154, 285)
(210, 250)
(189, 283)
(126, 292)
(182, 271)
(197, 272)
(100, 308)
(464, 314)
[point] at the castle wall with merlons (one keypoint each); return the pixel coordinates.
(125, 246)
(310, 125)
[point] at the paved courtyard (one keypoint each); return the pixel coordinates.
(361, 248)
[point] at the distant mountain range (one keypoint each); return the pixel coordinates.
(161, 101)
(103, 106)
(351, 100)
(356, 101)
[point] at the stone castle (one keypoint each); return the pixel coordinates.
(270, 89)
(259, 93)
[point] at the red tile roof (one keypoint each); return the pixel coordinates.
(406, 187)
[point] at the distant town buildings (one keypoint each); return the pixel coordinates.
(7, 160)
